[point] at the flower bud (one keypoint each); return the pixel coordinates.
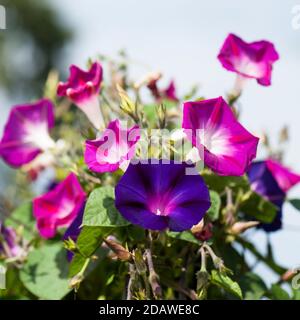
(119, 250)
(242, 226)
(126, 104)
(202, 232)
(203, 280)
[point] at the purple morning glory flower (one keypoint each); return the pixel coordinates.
(160, 194)
(9, 243)
(73, 230)
(26, 133)
(264, 183)
(285, 177)
(249, 60)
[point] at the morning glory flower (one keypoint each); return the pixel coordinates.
(249, 60)
(113, 149)
(59, 207)
(170, 92)
(82, 88)
(159, 194)
(264, 183)
(285, 178)
(10, 243)
(26, 133)
(223, 143)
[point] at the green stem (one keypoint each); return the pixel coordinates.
(203, 259)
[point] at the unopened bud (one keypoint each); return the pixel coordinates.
(242, 226)
(203, 232)
(70, 245)
(264, 139)
(120, 252)
(203, 280)
(126, 104)
(76, 281)
(284, 134)
(161, 114)
(288, 275)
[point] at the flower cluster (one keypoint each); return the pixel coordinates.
(116, 173)
(154, 196)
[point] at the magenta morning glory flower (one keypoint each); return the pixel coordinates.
(82, 88)
(161, 195)
(26, 133)
(58, 207)
(264, 183)
(9, 243)
(170, 92)
(285, 178)
(113, 149)
(223, 143)
(249, 60)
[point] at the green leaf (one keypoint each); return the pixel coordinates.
(110, 279)
(296, 294)
(22, 216)
(76, 264)
(214, 210)
(258, 207)
(100, 210)
(45, 273)
(219, 183)
(79, 261)
(90, 239)
(295, 203)
(150, 113)
(253, 286)
(223, 281)
(185, 236)
(278, 293)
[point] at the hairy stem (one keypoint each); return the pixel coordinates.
(130, 282)
(203, 259)
(229, 219)
(153, 276)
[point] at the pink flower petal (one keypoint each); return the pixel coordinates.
(226, 146)
(170, 92)
(285, 178)
(116, 146)
(251, 60)
(82, 88)
(26, 133)
(58, 207)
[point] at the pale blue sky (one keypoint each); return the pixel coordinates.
(181, 38)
